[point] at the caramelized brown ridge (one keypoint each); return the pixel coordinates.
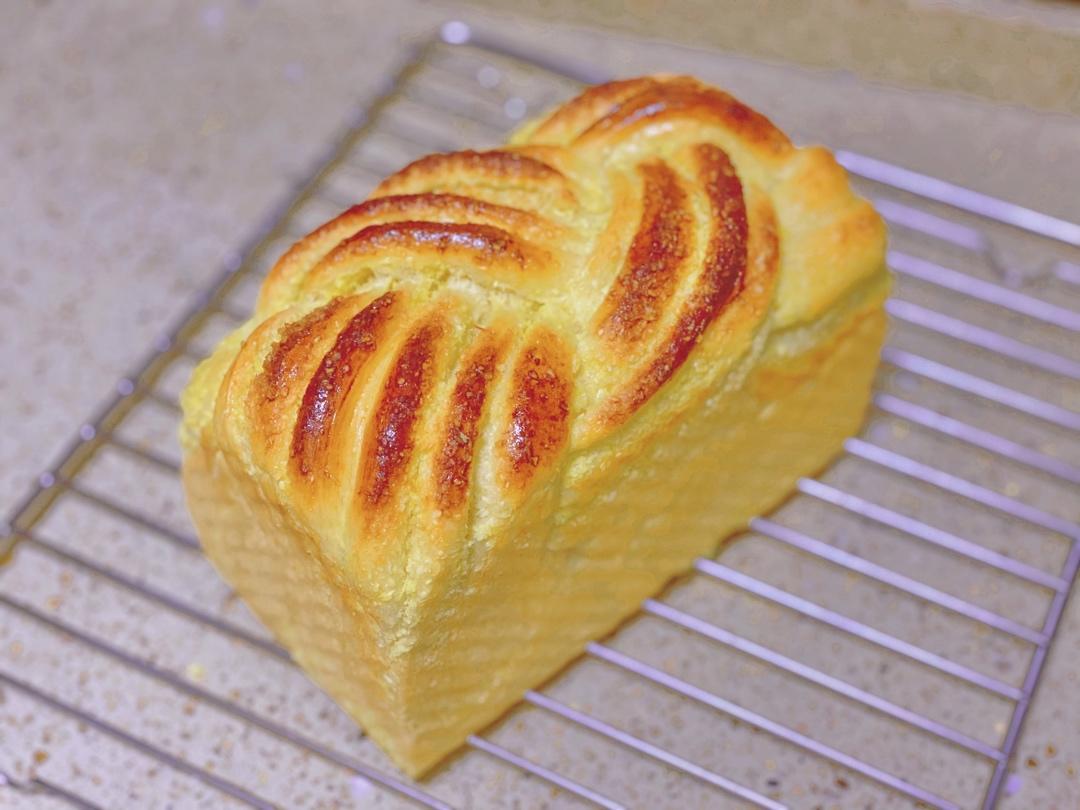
(298, 341)
(454, 462)
(486, 243)
(726, 257)
(495, 162)
(540, 407)
(406, 386)
(682, 97)
(647, 280)
(720, 281)
(428, 205)
(595, 102)
(333, 380)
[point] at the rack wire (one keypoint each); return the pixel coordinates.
(952, 514)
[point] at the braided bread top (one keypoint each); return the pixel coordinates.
(489, 324)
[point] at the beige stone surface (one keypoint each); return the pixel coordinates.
(140, 145)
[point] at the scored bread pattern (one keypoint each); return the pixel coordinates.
(512, 393)
(470, 291)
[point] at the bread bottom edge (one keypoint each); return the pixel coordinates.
(544, 589)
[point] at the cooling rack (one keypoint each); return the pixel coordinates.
(875, 642)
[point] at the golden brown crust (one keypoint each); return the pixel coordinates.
(481, 244)
(686, 99)
(283, 370)
(428, 207)
(455, 456)
(469, 168)
(661, 245)
(391, 440)
(539, 408)
(614, 111)
(645, 226)
(331, 384)
(590, 106)
(720, 279)
(456, 208)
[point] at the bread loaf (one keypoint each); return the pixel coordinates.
(476, 419)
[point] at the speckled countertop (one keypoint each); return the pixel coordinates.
(142, 143)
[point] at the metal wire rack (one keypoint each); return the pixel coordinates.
(890, 623)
